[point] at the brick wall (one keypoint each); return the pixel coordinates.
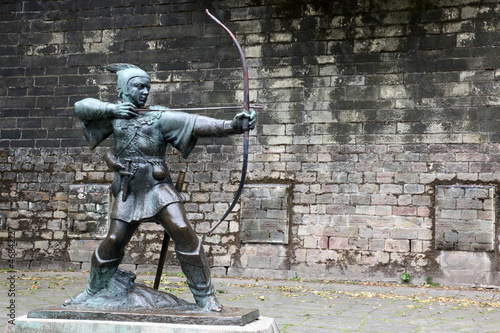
(379, 139)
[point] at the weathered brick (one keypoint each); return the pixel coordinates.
(397, 245)
(391, 188)
(337, 243)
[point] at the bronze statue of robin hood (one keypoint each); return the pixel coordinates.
(142, 186)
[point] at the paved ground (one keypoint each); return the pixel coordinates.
(297, 306)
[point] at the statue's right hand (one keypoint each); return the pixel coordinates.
(124, 110)
(112, 162)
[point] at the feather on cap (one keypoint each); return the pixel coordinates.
(114, 68)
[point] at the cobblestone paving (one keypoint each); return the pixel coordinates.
(297, 306)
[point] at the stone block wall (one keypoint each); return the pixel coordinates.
(465, 218)
(378, 152)
(265, 214)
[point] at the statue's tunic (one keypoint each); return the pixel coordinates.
(140, 143)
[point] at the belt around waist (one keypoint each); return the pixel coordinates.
(142, 160)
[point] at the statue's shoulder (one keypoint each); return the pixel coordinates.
(89, 100)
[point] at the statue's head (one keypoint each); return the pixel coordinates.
(133, 83)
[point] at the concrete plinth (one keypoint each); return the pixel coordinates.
(38, 325)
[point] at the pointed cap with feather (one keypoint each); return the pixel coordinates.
(125, 72)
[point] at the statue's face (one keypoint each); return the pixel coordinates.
(138, 91)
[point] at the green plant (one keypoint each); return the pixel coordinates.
(405, 277)
(430, 283)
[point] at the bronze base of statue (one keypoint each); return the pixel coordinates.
(229, 317)
(125, 300)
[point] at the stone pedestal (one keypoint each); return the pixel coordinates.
(38, 325)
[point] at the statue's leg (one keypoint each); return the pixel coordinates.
(105, 260)
(191, 256)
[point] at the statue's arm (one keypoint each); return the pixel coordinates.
(182, 130)
(96, 119)
(91, 109)
(209, 127)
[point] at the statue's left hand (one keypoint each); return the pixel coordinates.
(237, 120)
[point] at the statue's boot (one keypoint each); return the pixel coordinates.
(101, 272)
(195, 267)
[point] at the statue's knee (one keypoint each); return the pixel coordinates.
(112, 245)
(113, 240)
(185, 240)
(186, 233)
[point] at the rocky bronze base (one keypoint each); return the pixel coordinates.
(126, 301)
(122, 292)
